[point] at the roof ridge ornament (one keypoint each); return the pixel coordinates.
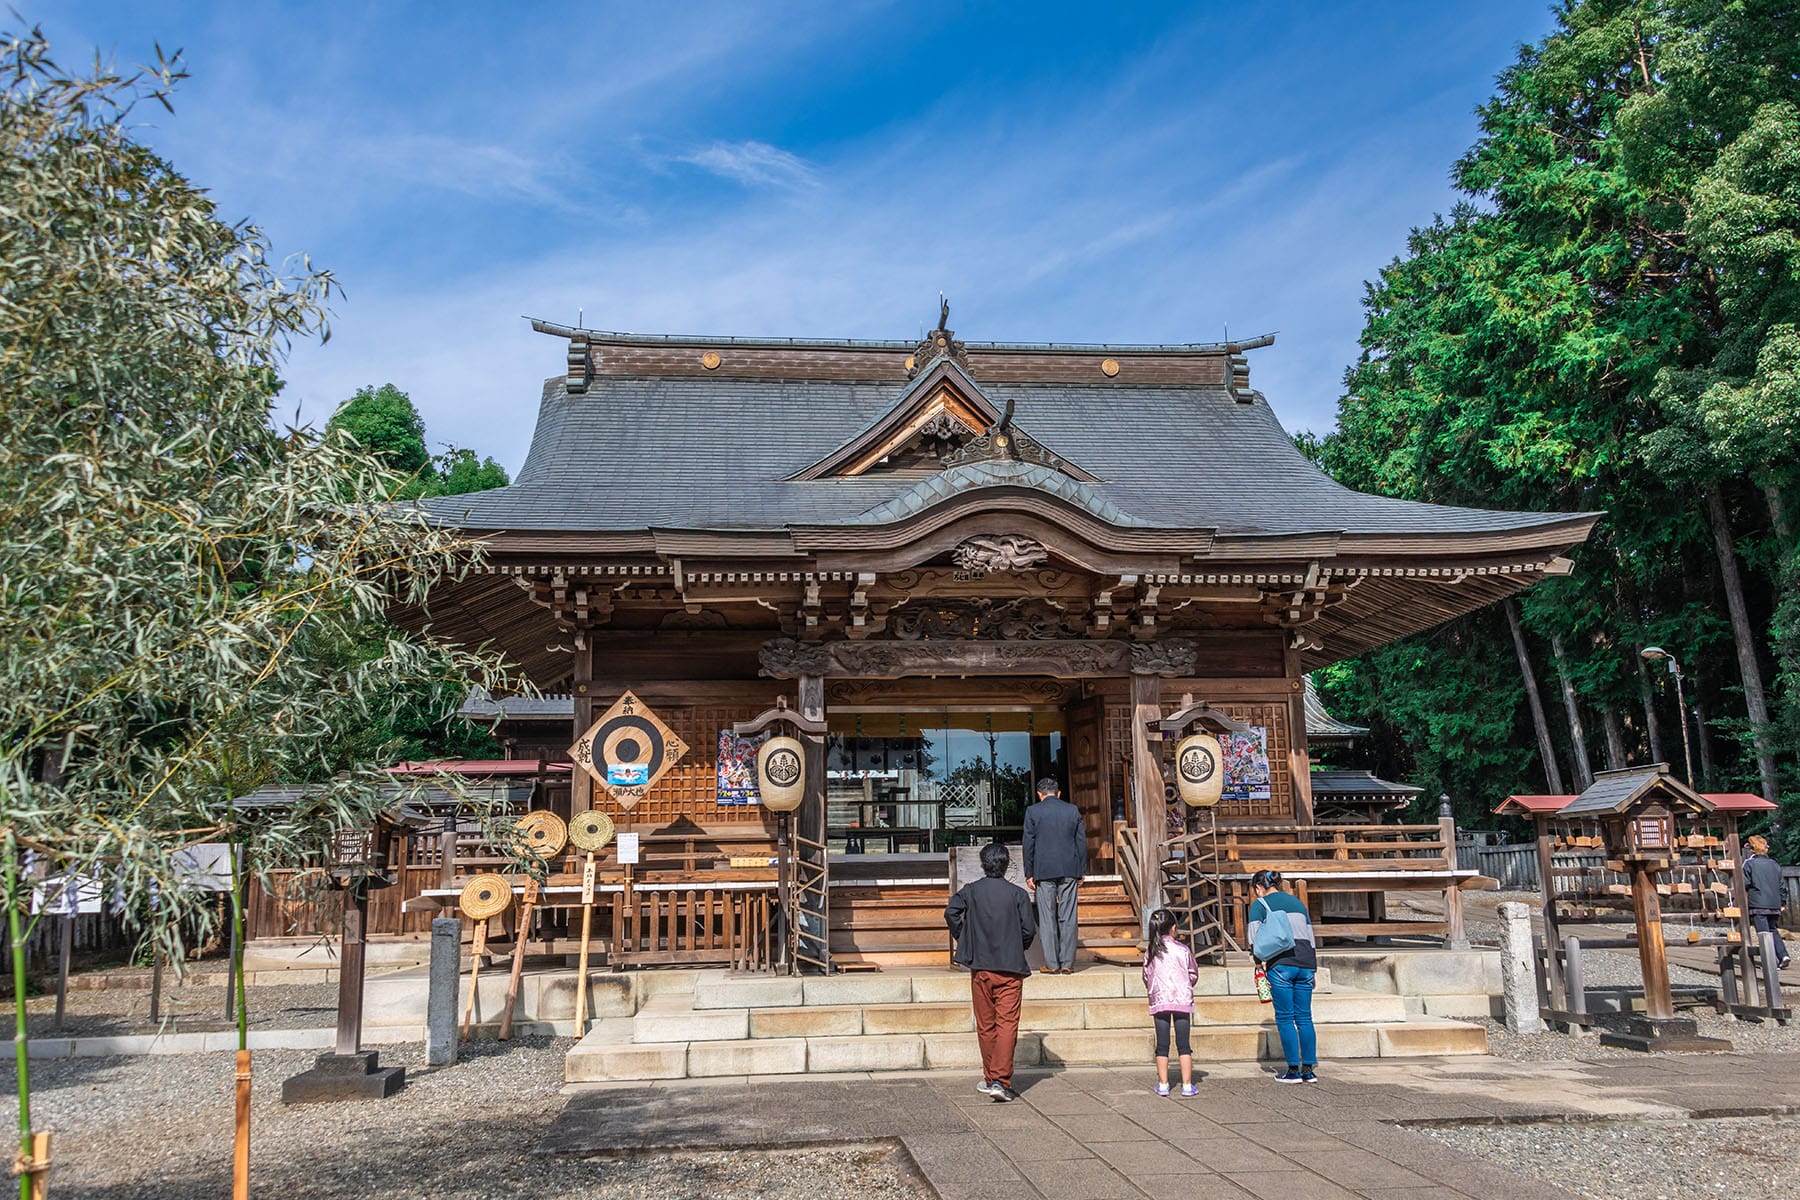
(1004, 443)
(941, 342)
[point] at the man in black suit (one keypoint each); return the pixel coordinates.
(991, 922)
(1055, 861)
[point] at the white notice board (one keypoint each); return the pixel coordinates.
(628, 849)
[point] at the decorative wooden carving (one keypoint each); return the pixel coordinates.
(1171, 657)
(999, 552)
(982, 618)
(939, 343)
(1049, 693)
(1003, 441)
(785, 658)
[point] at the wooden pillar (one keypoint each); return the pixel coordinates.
(1148, 804)
(811, 818)
(1547, 881)
(1299, 752)
(1658, 1004)
(350, 968)
(581, 784)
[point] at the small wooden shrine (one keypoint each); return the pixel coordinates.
(977, 564)
(1641, 846)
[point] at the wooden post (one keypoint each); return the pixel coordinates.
(587, 933)
(1575, 977)
(1547, 881)
(350, 969)
(581, 784)
(62, 964)
(784, 965)
(520, 936)
(1147, 788)
(1658, 1004)
(1299, 753)
(156, 985)
(1454, 935)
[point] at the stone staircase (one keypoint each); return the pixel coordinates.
(711, 1023)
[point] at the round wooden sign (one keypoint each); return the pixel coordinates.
(541, 832)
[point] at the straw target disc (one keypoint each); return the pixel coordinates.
(590, 830)
(541, 832)
(485, 896)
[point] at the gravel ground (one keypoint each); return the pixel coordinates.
(160, 1128)
(1744, 1159)
(120, 1011)
(1746, 1037)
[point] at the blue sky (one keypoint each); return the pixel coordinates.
(1065, 172)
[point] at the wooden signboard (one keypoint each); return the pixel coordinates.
(627, 750)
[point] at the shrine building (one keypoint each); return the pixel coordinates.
(979, 564)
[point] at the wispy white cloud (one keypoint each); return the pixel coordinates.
(753, 164)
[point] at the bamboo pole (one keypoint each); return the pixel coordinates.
(21, 1036)
(518, 962)
(240, 1152)
(587, 929)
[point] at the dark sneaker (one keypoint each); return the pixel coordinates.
(1005, 1094)
(988, 1088)
(1307, 1076)
(1291, 1075)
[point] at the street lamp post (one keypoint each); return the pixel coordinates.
(1653, 653)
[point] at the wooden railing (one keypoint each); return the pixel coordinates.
(693, 926)
(1246, 848)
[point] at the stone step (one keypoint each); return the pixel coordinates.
(662, 1019)
(601, 1056)
(722, 989)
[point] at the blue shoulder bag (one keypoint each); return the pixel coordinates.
(1274, 937)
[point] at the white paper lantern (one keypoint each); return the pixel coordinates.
(781, 773)
(1200, 770)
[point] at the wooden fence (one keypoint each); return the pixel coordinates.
(95, 933)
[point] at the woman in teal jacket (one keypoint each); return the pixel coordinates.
(1291, 972)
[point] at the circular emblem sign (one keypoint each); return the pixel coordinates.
(783, 767)
(1198, 764)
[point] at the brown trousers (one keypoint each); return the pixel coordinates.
(996, 996)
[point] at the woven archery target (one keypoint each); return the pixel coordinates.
(590, 831)
(627, 750)
(485, 896)
(541, 832)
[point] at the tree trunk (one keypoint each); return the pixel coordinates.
(1703, 739)
(1756, 705)
(1584, 770)
(1546, 748)
(1778, 517)
(1615, 740)
(1647, 694)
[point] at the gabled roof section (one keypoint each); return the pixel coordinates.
(1324, 729)
(943, 401)
(955, 419)
(1614, 792)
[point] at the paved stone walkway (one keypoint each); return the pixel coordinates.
(1100, 1133)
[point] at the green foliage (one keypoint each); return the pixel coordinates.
(1609, 323)
(384, 422)
(178, 579)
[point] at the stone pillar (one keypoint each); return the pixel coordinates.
(440, 1002)
(1517, 974)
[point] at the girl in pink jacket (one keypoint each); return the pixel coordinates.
(1169, 976)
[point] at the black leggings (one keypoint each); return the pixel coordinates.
(1163, 1021)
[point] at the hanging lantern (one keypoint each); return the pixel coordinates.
(1200, 770)
(781, 773)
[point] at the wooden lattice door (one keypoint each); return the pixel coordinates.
(1085, 722)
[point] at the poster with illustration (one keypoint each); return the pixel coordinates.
(737, 768)
(1247, 764)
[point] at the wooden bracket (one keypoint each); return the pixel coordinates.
(812, 727)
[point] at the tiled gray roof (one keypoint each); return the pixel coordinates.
(718, 454)
(1358, 783)
(1611, 791)
(1321, 725)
